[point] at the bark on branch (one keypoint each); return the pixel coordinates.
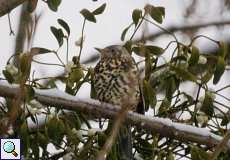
(7, 5)
(164, 127)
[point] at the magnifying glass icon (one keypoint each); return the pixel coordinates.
(9, 147)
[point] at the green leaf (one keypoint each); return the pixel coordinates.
(29, 93)
(155, 50)
(92, 91)
(124, 32)
(170, 156)
(88, 15)
(145, 148)
(162, 10)
(76, 75)
(149, 94)
(56, 129)
(59, 35)
(53, 4)
(170, 87)
(225, 119)
(71, 136)
(8, 76)
(199, 154)
(164, 106)
(184, 74)
(34, 147)
(24, 136)
(143, 50)
(208, 75)
(219, 70)
(140, 50)
(100, 9)
(78, 122)
(157, 13)
(136, 15)
(39, 50)
(42, 140)
(223, 49)
(179, 58)
(64, 25)
(51, 127)
(148, 66)
(194, 56)
(207, 106)
(101, 138)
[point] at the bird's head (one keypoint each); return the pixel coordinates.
(114, 51)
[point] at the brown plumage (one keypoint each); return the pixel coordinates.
(116, 81)
(116, 76)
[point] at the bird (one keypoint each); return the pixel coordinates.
(116, 81)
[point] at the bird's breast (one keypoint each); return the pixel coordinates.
(115, 80)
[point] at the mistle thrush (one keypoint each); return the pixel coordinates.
(116, 81)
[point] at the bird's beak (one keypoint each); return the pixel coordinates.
(102, 52)
(99, 50)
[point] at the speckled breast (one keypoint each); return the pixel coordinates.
(116, 81)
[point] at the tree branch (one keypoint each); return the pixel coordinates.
(165, 127)
(7, 5)
(182, 29)
(172, 29)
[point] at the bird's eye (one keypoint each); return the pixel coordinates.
(112, 50)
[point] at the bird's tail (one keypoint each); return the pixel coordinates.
(120, 132)
(124, 143)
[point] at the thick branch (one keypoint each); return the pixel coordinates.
(7, 5)
(164, 127)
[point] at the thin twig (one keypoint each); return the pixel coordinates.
(58, 57)
(82, 38)
(50, 64)
(225, 87)
(10, 25)
(67, 49)
(163, 29)
(136, 29)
